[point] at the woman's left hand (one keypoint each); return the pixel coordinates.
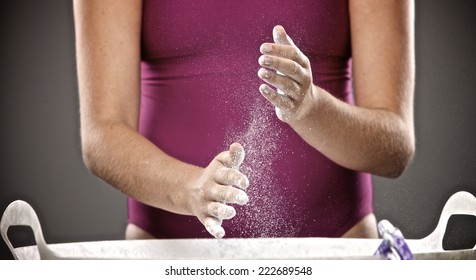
(294, 91)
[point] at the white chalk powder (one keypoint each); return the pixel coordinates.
(265, 212)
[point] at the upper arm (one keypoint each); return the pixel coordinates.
(383, 55)
(108, 60)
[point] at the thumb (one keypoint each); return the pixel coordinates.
(237, 154)
(280, 36)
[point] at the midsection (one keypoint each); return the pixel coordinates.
(200, 94)
(365, 228)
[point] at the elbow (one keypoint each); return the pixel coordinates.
(399, 150)
(90, 153)
(399, 161)
(398, 167)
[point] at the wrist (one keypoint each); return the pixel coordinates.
(306, 114)
(190, 187)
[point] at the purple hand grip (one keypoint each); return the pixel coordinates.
(393, 246)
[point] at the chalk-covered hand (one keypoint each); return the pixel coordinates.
(288, 70)
(219, 184)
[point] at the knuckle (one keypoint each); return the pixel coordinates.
(212, 209)
(218, 194)
(292, 106)
(272, 76)
(212, 223)
(273, 97)
(306, 79)
(230, 194)
(219, 159)
(220, 155)
(223, 211)
(284, 105)
(207, 191)
(295, 87)
(290, 87)
(223, 195)
(231, 176)
(226, 175)
(307, 62)
(295, 54)
(295, 69)
(289, 104)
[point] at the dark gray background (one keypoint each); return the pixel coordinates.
(41, 163)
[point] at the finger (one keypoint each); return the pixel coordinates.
(280, 101)
(224, 159)
(231, 177)
(213, 226)
(281, 116)
(286, 51)
(233, 157)
(227, 194)
(280, 36)
(237, 154)
(287, 85)
(220, 211)
(288, 67)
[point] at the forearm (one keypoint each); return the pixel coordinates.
(376, 135)
(371, 140)
(125, 159)
(108, 61)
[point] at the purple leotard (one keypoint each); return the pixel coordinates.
(199, 93)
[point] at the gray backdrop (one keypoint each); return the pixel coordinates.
(41, 163)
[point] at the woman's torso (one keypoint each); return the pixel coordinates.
(199, 93)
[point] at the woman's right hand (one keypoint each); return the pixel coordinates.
(218, 185)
